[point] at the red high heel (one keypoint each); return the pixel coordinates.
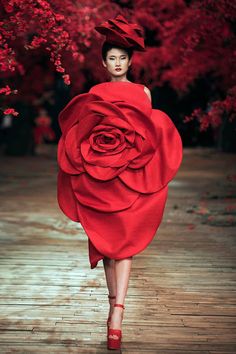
(114, 343)
(109, 318)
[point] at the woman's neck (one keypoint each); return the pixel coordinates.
(121, 78)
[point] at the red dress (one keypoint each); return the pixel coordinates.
(116, 156)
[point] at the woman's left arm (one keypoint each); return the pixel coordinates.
(148, 93)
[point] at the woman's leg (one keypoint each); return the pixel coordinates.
(122, 272)
(109, 268)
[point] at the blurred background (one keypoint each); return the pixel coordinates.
(50, 52)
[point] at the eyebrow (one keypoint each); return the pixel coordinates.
(112, 55)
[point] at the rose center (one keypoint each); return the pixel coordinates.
(106, 139)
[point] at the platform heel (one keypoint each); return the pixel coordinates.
(114, 343)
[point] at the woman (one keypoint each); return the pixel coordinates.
(116, 157)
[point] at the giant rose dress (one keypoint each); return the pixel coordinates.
(116, 156)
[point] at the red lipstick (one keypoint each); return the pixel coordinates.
(118, 69)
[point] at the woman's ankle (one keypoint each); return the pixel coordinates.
(116, 320)
(118, 313)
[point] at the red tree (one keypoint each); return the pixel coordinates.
(185, 41)
(189, 42)
(61, 31)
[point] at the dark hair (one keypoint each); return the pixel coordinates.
(108, 46)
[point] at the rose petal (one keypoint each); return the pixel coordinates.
(97, 144)
(86, 125)
(99, 158)
(138, 119)
(65, 162)
(120, 159)
(104, 109)
(108, 196)
(165, 162)
(103, 173)
(66, 197)
(121, 124)
(75, 110)
(105, 142)
(72, 148)
(146, 179)
(144, 157)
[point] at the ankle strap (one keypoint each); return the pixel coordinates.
(111, 297)
(119, 305)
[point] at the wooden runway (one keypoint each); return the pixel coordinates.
(182, 291)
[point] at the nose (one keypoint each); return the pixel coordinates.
(117, 62)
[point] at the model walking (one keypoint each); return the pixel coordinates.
(116, 158)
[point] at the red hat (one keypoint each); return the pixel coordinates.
(120, 32)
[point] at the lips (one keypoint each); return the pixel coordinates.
(118, 69)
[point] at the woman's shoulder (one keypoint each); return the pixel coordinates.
(147, 91)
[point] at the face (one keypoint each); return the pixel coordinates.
(117, 62)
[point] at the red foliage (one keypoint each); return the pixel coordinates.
(184, 42)
(56, 25)
(216, 111)
(61, 29)
(11, 111)
(188, 42)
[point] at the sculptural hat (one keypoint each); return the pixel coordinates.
(120, 32)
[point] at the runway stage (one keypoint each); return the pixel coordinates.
(182, 293)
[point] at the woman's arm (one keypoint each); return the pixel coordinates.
(148, 93)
